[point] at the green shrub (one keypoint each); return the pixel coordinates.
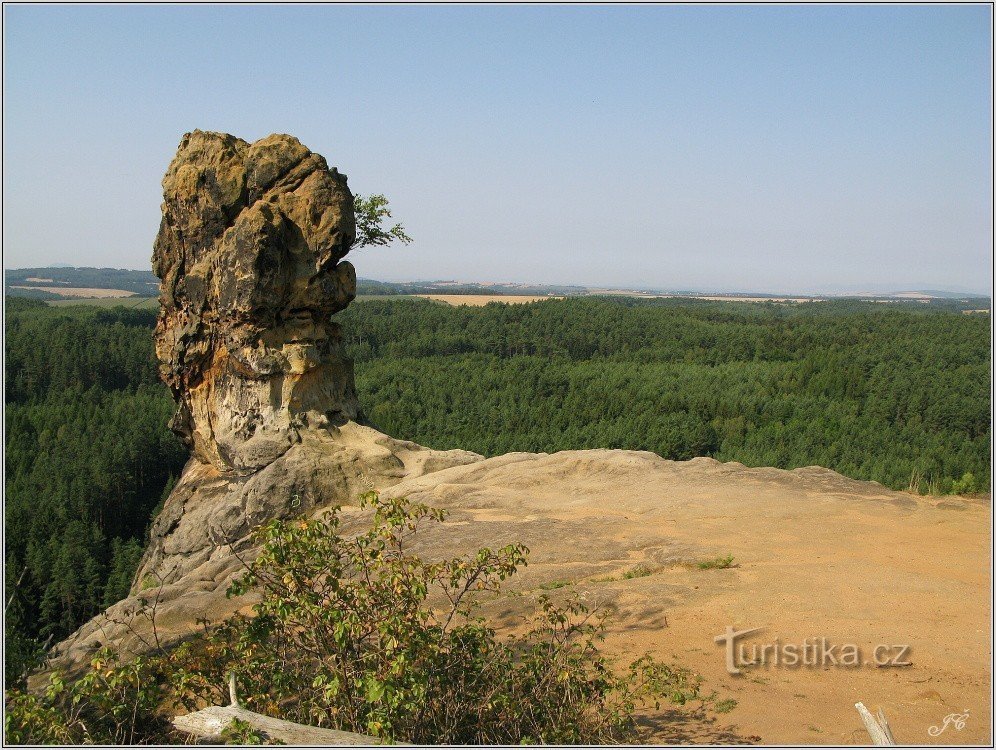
(966, 485)
(240, 732)
(114, 703)
(359, 633)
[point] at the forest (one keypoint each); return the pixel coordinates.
(89, 456)
(894, 393)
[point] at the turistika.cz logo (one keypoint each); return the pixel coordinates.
(811, 653)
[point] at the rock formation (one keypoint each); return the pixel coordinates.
(250, 253)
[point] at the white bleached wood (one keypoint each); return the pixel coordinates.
(885, 725)
(207, 725)
(880, 733)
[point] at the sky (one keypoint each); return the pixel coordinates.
(757, 148)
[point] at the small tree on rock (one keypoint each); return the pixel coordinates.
(371, 213)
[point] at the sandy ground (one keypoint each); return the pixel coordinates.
(816, 555)
(478, 300)
(76, 291)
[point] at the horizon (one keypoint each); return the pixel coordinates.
(857, 290)
(775, 150)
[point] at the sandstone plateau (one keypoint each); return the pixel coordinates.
(251, 255)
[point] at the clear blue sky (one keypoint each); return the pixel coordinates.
(769, 148)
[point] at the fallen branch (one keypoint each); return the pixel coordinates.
(207, 725)
(878, 728)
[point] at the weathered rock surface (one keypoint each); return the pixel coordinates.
(250, 255)
(250, 252)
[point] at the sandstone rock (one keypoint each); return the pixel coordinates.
(200, 537)
(250, 255)
(250, 252)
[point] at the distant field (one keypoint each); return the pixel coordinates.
(731, 298)
(139, 303)
(479, 300)
(86, 292)
(151, 303)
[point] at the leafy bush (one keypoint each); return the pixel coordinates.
(240, 732)
(113, 703)
(359, 633)
(966, 485)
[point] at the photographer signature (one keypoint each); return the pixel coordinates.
(958, 720)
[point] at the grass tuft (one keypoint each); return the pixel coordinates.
(725, 706)
(554, 585)
(640, 571)
(720, 563)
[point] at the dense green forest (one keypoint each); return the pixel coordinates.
(895, 393)
(88, 457)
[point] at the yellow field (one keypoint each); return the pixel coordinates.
(71, 291)
(479, 300)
